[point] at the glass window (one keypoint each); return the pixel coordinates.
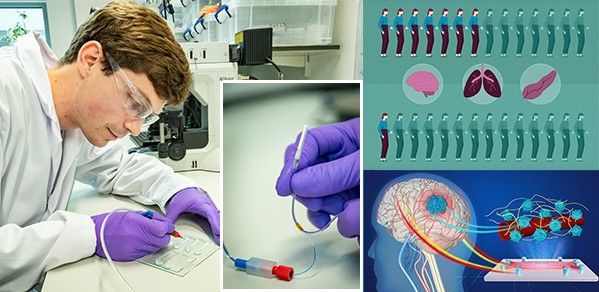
(16, 17)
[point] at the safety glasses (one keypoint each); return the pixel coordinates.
(137, 104)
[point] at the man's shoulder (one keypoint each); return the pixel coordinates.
(12, 69)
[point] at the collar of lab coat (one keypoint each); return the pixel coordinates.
(36, 57)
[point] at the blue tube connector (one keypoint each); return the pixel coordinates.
(264, 268)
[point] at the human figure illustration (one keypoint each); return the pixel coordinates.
(504, 135)
(458, 129)
(384, 29)
(488, 131)
(413, 129)
(533, 129)
(550, 26)
(519, 131)
(519, 25)
(444, 27)
(580, 132)
(398, 24)
(473, 25)
(565, 25)
(488, 27)
(458, 25)
(505, 32)
(384, 134)
(534, 30)
(473, 129)
(399, 136)
(430, 138)
(564, 129)
(413, 26)
(444, 132)
(580, 28)
(430, 32)
(550, 131)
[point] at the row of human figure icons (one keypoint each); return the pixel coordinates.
(488, 26)
(503, 130)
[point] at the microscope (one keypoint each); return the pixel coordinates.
(187, 136)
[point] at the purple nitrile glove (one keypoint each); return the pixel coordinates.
(129, 235)
(195, 201)
(328, 173)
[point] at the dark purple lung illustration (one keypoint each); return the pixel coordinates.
(473, 84)
(535, 90)
(491, 84)
(477, 80)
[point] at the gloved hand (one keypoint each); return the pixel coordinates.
(195, 201)
(327, 180)
(129, 235)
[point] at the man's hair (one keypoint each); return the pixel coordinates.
(138, 39)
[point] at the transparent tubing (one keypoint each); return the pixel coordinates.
(103, 243)
(302, 272)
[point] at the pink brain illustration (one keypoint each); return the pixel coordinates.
(426, 200)
(423, 81)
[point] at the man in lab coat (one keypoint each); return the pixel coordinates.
(56, 119)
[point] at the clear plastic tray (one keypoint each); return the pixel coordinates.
(181, 255)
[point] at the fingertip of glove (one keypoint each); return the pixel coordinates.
(283, 184)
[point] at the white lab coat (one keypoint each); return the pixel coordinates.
(39, 165)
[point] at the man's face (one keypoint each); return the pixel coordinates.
(105, 108)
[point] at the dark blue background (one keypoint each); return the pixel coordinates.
(488, 190)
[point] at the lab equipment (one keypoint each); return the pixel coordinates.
(541, 270)
(181, 255)
(190, 137)
(294, 23)
(195, 201)
(196, 250)
(267, 268)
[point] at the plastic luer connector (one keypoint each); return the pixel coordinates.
(265, 268)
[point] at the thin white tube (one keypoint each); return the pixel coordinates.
(103, 243)
(435, 271)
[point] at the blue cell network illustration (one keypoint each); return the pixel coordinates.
(539, 219)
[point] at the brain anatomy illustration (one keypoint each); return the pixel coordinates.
(423, 81)
(425, 205)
